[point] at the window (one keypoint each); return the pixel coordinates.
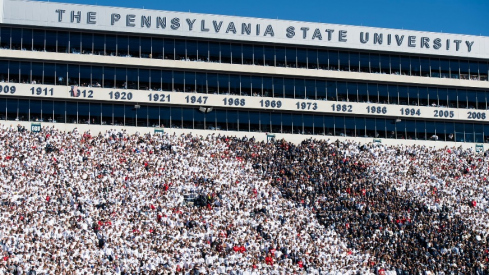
(444, 68)
(342, 91)
(232, 120)
(454, 69)
(201, 83)
(360, 127)
(300, 89)
(247, 51)
(214, 52)
(134, 46)
(166, 80)
(291, 57)
(107, 114)
(122, 45)
(16, 39)
(63, 42)
(385, 64)
(190, 82)
(269, 54)
(153, 50)
(97, 76)
(4, 67)
(212, 83)
(199, 119)
(188, 118)
(258, 55)
(169, 49)
(362, 92)
(192, 46)
(483, 70)
(99, 44)
(245, 85)
(289, 87)
(36, 74)
(203, 51)
(243, 120)
(35, 109)
(25, 71)
(301, 58)
(318, 125)
(433, 97)
(423, 96)
(474, 71)
(344, 64)
(405, 65)
(280, 56)
(221, 120)
(320, 90)
(49, 74)
(87, 43)
(132, 79)
(236, 53)
(308, 121)
(395, 64)
(312, 59)
(256, 86)
(85, 76)
(156, 80)
(75, 42)
(142, 116)
(352, 89)
(120, 78)
(5, 38)
(350, 127)
(383, 94)
(354, 62)
(310, 89)
(435, 67)
(38, 40)
(111, 45)
(415, 66)
(425, 67)
(27, 39)
(323, 60)
(267, 86)
(144, 79)
(14, 69)
(374, 63)
(364, 63)
(118, 110)
(225, 53)
(59, 109)
(373, 95)
(109, 77)
(464, 69)
(223, 84)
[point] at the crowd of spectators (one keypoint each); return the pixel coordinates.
(113, 203)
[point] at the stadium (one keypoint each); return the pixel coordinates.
(139, 141)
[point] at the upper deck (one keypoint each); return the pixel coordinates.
(143, 21)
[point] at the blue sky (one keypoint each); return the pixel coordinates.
(448, 16)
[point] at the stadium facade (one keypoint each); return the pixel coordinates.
(95, 66)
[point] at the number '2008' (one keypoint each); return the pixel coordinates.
(476, 115)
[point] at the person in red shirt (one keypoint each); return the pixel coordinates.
(272, 251)
(269, 259)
